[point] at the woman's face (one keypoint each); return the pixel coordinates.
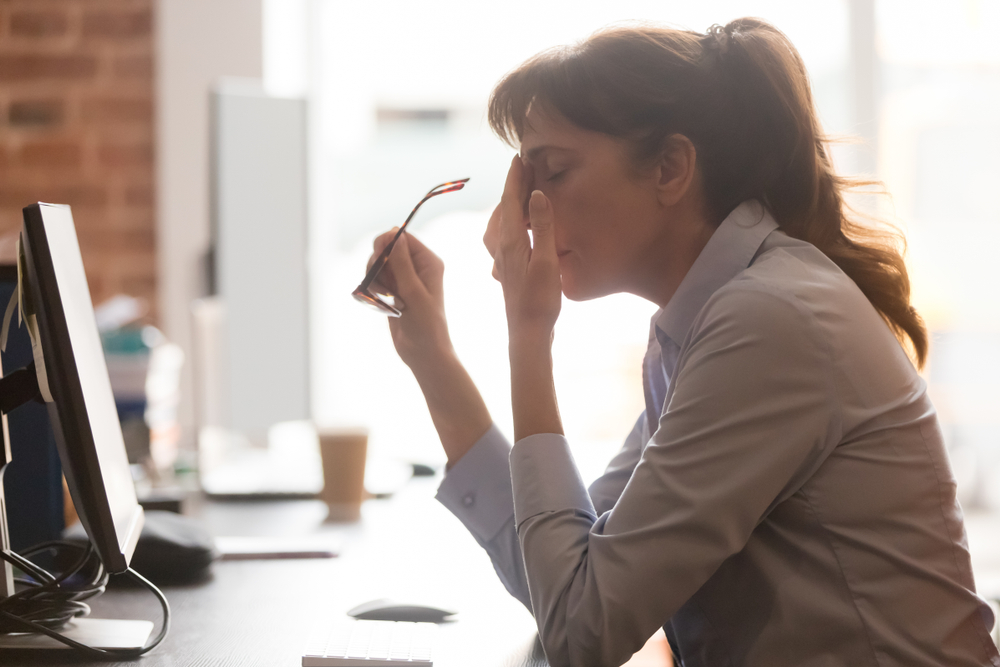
(608, 220)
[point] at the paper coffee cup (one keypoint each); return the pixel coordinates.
(343, 451)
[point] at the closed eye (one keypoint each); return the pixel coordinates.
(556, 176)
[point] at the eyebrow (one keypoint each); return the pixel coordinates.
(533, 154)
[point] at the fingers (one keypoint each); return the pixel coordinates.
(417, 248)
(381, 241)
(401, 265)
(491, 239)
(428, 267)
(543, 236)
(513, 230)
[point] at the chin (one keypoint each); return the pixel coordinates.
(577, 290)
(583, 285)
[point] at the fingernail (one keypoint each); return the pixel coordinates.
(540, 198)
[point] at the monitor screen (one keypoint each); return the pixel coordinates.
(82, 407)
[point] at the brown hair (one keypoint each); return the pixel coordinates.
(741, 94)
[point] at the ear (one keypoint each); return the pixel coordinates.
(676, 169)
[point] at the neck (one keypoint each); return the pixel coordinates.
(687, 230)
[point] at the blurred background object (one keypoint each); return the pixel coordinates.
(939, 137)
(32, 482)
(144, 370)
(257, 260)
(76, 127)
(127, 356)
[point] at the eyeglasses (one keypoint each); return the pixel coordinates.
(385, 302)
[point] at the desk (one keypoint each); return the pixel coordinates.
(258, 613)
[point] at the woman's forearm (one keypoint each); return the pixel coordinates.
(533, 394)
(456, 406)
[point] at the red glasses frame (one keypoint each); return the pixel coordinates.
(384, 302)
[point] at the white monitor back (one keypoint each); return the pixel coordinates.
(261, 277)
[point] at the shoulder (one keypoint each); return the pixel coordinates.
(760, 348)
(790, 281)
(755, 309)
(781, 305)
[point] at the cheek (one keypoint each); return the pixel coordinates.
(577, 217)
(585, 213)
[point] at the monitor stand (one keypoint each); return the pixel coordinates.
(95, 632)
(7, 572)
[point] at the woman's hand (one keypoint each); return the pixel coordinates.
(532, 291)
(529, 273)
(415, 277)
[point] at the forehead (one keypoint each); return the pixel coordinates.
(547, 128)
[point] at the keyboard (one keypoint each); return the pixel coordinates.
(372, 644)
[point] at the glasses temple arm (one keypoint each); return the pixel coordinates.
(384, 255)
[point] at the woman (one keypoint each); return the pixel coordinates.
(785, 499)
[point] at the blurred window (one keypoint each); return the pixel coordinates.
(939, 138)
(400, 107)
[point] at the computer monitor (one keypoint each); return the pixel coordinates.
(72, 378)
(82, 406)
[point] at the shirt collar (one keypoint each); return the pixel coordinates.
(729, 251)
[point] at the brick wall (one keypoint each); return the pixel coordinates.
(76, 127)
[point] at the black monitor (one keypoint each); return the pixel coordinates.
(70, 374)
(80, 402)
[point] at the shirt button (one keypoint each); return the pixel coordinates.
(469, 500)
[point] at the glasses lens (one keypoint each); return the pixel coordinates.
(376, 302)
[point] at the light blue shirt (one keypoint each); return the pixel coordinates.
(793, 506)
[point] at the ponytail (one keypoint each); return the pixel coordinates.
(741, 94)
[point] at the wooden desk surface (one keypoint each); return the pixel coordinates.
(258, 613)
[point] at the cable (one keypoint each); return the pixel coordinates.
(48, 602)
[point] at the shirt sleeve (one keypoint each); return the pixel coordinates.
(477, 490)
(752, 414)
(606, 489)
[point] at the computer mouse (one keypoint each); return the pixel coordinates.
(390, 610)
(423, 470)
(171, 548)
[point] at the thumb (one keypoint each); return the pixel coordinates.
(540, 215)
